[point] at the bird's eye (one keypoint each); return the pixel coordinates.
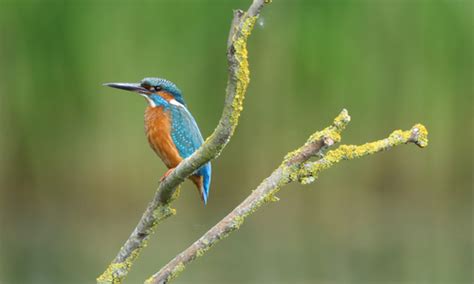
(157, 88)
(146, 86)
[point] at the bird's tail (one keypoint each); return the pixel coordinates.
(202, 179)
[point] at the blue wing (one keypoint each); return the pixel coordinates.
(187, 138)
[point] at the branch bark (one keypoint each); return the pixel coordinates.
(293, 168)
(159, 208)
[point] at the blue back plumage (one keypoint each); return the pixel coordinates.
(187, 138)
(184, 131)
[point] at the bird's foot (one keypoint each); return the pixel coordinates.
(168, 172)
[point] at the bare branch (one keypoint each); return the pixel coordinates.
(159, 208)
(293, 168)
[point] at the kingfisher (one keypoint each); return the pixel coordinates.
(171, 130)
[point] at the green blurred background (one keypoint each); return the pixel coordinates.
(76, 171)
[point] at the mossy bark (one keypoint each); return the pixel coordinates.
(293, 168)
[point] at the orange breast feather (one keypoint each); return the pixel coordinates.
(158, 132)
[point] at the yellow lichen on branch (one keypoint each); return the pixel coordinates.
(178, 269)
(295, 167)
(334, 131)
(118, 269)
(113, 272)
(239, 42)
(308, 172)
(421, 135)
(328, 136)
(158, 209)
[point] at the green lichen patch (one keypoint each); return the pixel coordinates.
(271, 197)
(239, 220)
(163, 212)
(116, 272)
(177, 270)
(108, 275)
(174, 273)
(341, 121)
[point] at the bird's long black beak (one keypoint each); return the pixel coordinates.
(133, 87)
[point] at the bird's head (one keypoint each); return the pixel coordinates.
(156, 91)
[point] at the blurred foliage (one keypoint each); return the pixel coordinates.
(76, 171)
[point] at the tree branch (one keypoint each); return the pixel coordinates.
(293, 168)
(159, 208)
(310, 171)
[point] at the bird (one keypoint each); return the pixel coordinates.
(170, 128)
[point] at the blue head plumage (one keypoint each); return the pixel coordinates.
(164, 85)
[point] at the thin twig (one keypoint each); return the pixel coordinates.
(159, 208)
(293, 168)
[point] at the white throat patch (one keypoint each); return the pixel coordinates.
(150, 101)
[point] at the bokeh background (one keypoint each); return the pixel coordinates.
(76, 171)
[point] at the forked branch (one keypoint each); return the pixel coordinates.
(293, 168)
